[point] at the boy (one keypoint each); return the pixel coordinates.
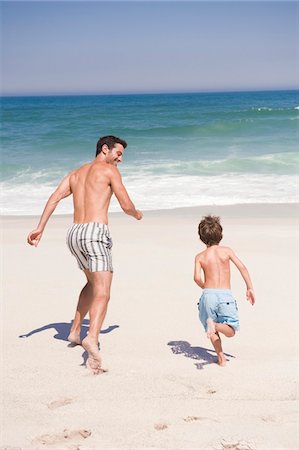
(217, 308)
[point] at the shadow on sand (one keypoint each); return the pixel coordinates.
(63, 330)
(203, 355)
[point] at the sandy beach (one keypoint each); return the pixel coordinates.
(163, 389)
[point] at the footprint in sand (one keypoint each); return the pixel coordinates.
(192, 418)
(160, 426)
(10, 448)
(211, 391)
(57, 403)
(196, 418)
(235, 445)
(68, 437)
(268, 419)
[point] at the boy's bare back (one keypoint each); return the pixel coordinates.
(215, 263)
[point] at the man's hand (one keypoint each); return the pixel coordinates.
(250, 296)
(139, 215)
(34, 237)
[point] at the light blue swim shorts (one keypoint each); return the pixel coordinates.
(220, 306)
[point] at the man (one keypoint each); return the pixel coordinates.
(89, 240)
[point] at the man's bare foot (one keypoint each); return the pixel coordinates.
(211, 327)
(221, 359)
(94, 361)
(74, 338)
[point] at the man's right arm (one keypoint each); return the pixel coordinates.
(122, 196)
(63, 190)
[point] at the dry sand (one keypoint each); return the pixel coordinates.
(163, 389)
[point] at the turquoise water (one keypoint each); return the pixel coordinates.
(183, 149)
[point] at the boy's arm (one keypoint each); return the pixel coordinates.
(197, 272)
(245, 274)
(63, 190)
(122, 196)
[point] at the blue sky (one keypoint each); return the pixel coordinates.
(123, 47)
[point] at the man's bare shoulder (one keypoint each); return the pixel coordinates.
(82, 168)
(107, 169)
(77, 174)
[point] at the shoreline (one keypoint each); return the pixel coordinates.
(246, 209)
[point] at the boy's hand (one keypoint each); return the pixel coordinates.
(250, 296)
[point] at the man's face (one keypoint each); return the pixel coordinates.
(115, 155)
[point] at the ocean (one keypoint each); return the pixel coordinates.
(183, 149)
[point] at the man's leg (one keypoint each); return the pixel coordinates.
(100, 283)
(83, 306)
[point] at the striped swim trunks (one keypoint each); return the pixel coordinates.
(91, 245)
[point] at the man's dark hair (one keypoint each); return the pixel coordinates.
(210, 230)
(110, 141)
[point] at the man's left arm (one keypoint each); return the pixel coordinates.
(63, 190)
(122, 196)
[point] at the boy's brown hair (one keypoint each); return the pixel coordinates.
(210, 230)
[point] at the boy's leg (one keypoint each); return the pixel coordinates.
(213, 333)
(211, 327)
(216, 341)
(225, 329)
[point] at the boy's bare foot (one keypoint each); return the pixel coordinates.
(221, 359)
(74, 338)
(94, 360)
(211, 327)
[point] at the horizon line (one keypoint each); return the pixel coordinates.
(154, 92)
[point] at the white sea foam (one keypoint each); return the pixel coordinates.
(167, 192)
(263, 108)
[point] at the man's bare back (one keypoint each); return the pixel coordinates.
(92, 191)
(93, 184)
